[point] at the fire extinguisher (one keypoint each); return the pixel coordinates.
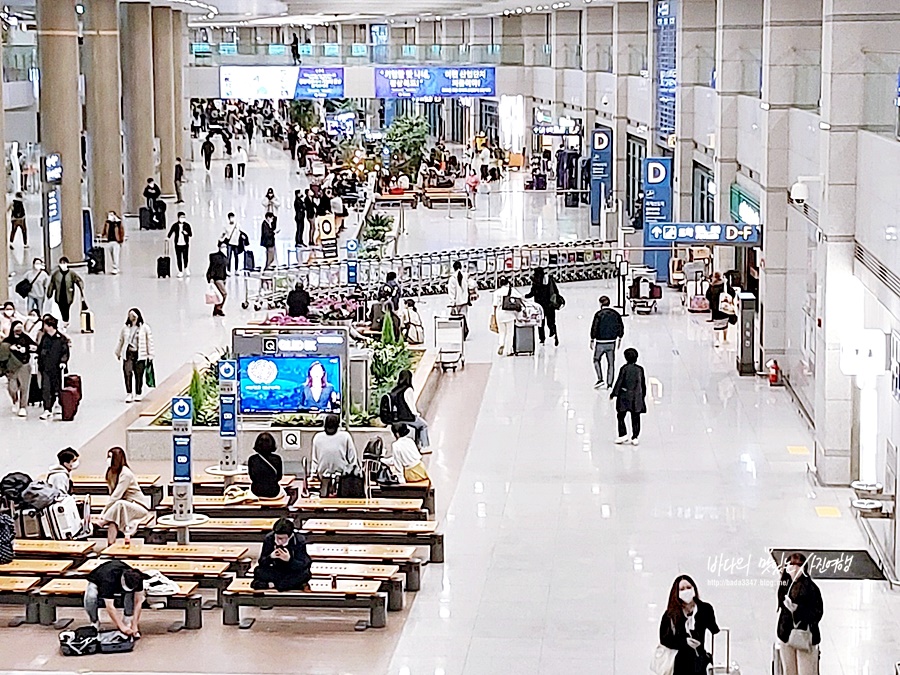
(774, 374)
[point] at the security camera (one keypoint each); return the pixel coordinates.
(799, 192)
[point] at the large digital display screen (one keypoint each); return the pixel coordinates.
(289, 384)
(280, 82)
(436, 81)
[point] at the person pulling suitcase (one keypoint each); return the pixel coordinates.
(53, 355)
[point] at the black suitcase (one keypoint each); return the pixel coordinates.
(540, 181)
(146, 218)
(523, 340)
(249, 261)
(164, 264)
(96, 260)
(229, 170)
(571, 200)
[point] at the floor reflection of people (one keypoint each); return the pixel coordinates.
(318, 393)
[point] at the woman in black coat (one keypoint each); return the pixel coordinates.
(799, 606)
(684, 625)
(629, 391)
(543, 288)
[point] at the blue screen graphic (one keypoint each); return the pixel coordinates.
(320, 83)
(435, 81)
(290, 384)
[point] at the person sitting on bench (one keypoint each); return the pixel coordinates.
(115, 583)
(60, 475)
(405, 459)
(284, 563)
(264, 468)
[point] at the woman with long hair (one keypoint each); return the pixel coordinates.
(546, 294)
(684, 625)
(128, 507)
(460, 295)
(135, 351)
(404, 398)
(317, 393)
(800, 610)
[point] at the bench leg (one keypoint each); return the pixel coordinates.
(156, 537)
(193, 612)
(378, 611)
(428, 503)
(395, 593)
(437, 548)
(231, 611)
(32, 611)
(414, 575)
(46, 611)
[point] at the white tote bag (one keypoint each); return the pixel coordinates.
(663, 661)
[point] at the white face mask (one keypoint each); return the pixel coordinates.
(109, 461)
(793, 571)
(64, 268)
(38, 266)
(687, 595)
(75, 464)
(9, 311)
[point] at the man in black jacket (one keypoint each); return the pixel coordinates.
(283, 562)
(606, 330)
(152, 194)
(53, 352)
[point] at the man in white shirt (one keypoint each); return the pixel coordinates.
(60, 476)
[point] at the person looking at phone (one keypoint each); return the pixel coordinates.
(284, 563)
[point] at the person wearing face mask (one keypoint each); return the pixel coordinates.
(217, 274)
(60, 475)
(284, 563)
(135, 350)
(62, 288)
(231, 237)
(800, 611)
(267, 238)
(53, 353)
(241, 159)
(181, 234)
(152, 194)
(16, 351)
(128, 507)
(37, 292)
(684, 625)
(8, 317)
(271, 203)
(114, 235)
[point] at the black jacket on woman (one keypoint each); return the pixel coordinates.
(267, 234)
(630, 389)
(265, 472)
(674, 636)
(542, 292)
(713, 296)
(218, 267)
(806, 595)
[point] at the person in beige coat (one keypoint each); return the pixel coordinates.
(135, 351)
(128, 506)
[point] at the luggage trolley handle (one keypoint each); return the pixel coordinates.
(727, 632)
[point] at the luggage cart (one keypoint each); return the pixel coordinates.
(449, 340)
(644, 292)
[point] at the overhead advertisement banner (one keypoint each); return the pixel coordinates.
(436, 81)
(280, 82)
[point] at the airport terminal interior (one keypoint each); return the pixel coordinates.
(450, 338)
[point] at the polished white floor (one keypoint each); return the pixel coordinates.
(561, 546)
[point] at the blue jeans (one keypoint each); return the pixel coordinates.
(93, 603)
(609, 349)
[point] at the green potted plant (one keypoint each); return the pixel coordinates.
(406, 137)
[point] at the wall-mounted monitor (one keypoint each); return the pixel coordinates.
(435, 81)
(280, 82)
(290, 384)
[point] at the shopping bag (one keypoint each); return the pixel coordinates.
(494, 327)
(150, 374)
(213, 296)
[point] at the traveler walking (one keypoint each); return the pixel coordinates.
(216, 275)
(62, 289)
(207, 149)
(607, 330)
(52, 355)
(508, 302)
(459, 295)
(295, 49)
(242, 160)
(181, 234)
(38, 281)
(114, 235)
(17, 219)
(179, 180)
(128, 507)
(152, 194)
(299, 218)
(268, 230)
(135, 351)
(8, 317)
(16, 352)
(630, 391)
(721, 295)
(684, 625)
(546, 294)
(800, 611)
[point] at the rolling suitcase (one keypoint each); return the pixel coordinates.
(87, 321)
(571, 200)
(61, 520)
(540, 181)
(96, 260)
(728, 667)
(164, 264)
(229, 170)
(146, 217)
(73, 381)
(523, 340)
(68, 400)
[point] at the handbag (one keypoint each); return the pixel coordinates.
(150, 374)
(494, 327)
(557, 301)
(663, 661)
(511, 303)
(726, 304)
(213, 296)
(800, 639)
(23, 288)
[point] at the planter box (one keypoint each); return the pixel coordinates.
(146, 441)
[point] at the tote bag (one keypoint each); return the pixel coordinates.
(663, 661)
(213, 296)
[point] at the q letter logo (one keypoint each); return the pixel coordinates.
(656, 173)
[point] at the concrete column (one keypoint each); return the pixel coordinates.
(164, 96)
(61, 110)
(102, 107)
(179, 50)
(695, 59)
(738, 40)
(596, 41)
(137, 99)
(629, 36)
(4, 225)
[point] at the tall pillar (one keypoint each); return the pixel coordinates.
(4, 231)
(61, 111)
(596, 41)
(137, 99)
(163, 96)
(103, 108)
(695, 59)
(179, 39)
(629, 38)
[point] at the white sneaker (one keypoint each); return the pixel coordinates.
(129, 398)
(635, 441)
(180, 275)
(600, 384)
(46, 415)
(138, 397)
(115, 270)
(622, 439)
(187, 273)
(23, 412)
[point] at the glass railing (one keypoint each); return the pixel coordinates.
(598, 57)
(807, 73)
(19, 61)
(881, 96)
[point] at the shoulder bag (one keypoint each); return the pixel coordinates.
(511, 303)
(663, 661)
(557, 301)
(800, 638)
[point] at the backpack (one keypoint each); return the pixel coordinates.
(387, 409)
(374, 449)
(7, 536)
(12, 485)
(39, 495)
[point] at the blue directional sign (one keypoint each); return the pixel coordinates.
(601, 169)
(228, 370)
(182, 416)
(182, 408)
(228, 376)
(731, 234)
(656, 183)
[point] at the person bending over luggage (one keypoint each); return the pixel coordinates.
(115, 583)
(264, 468)
(60, 476)
(283, 563)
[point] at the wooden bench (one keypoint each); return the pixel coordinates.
(70, 593)
(209, 485)
(216, 529)
(402, 556)
(216, 505)
(377, 507)
(38, 567)
(387, 575)
(400, 532)
(209, 574)
(76, 551)
(387, 200)
(423, 490)
(21, 591)
(349, 594)
(235, 556)
(95, 484)
(431, 196)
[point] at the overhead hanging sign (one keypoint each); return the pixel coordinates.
(601, 170)
(436, 81)
(731, 234)
(656, 184)
(280, 82)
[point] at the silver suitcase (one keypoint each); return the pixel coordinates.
(728, 667)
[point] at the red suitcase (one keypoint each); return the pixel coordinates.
(73, 381)
(68, 400)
